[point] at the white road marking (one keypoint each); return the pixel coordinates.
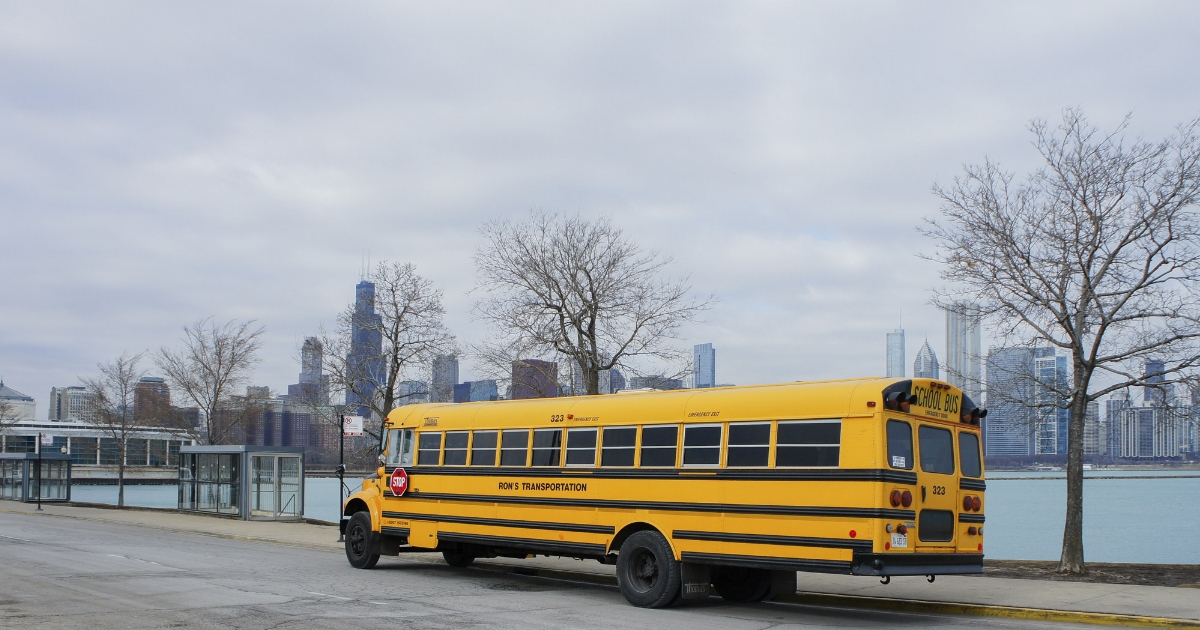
(327, 595)
(15, 538)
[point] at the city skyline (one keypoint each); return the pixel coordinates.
(779, 171)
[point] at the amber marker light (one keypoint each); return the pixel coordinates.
(976, 504)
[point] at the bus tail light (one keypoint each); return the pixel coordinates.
(896, 498)
(976, 504)
(902, 529)
(906, 498)
(967, 503)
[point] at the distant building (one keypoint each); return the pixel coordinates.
(611, 381)
(1010, 390)
(476, 391)
(1113, 408)
(926, 365)
(21, 406)
(1093, 432)
(411, 392)
(895, 353)
(71, 403)
(445, 377)
(365, 362)
(1157, 391)
(963, 349)
(151, 396)
(705, 362)
(655, 381)
(313, 387)
(534, 378)
(1053, 379)
(1152, 431)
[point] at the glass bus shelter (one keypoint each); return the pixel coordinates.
(23, 476)
(246, 482)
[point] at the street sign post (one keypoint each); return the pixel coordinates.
(352, 426)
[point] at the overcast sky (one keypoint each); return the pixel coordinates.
(165, 162)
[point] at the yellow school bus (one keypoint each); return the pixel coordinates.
(729, 489)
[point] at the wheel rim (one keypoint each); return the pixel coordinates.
(644, 570)
(357, 540)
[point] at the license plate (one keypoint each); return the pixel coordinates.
(899, 541)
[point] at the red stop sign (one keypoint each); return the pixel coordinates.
(399, 482)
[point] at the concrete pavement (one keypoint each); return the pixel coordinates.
(966, 594)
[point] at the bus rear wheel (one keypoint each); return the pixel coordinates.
(456, 558)
(647, 571)
(740, 584)
(359, 542)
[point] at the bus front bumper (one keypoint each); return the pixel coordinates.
(916, 563)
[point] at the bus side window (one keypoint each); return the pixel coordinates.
(547, 446)
(429, 449)
(618, 446)
(702, 445)
(581, 447)
(514, 447)
(456, 449)
(808, 443)
(658, 445)
(899, 444)
(483, 448)
(968, 455)
(749, 444)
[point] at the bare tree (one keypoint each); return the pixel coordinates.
(1096, 254)
(113, 394)
(582, 290)
(386, 341)
(211, 367)
(8, 416)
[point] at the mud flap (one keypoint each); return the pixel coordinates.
(782, 583)
(697, 580)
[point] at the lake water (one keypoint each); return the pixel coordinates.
(1139, 516)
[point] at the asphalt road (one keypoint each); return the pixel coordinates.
(70, 573)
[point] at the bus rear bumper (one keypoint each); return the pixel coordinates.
(916, 563)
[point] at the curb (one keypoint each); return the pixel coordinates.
(887, 603)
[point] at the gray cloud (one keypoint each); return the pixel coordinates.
(161, 163)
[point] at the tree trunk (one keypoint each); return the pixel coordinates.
(592, 377)
(1072, 550)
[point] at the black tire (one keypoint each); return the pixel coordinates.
(647, 571)
(359, 542)
(739, 584)
(456, 558)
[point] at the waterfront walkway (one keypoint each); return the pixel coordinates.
(1002, 597)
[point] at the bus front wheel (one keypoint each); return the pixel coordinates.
(647, 571)
(359, 542)
(739, 584)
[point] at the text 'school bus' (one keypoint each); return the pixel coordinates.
(730, 489)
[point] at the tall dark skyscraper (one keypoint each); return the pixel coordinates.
(365, 361)
(705, 364)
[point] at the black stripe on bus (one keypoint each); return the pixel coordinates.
(972, 484)
(765, 539)
(728, 508)
(748, 474)
(970, 518)
(764, 562)
(533, 544)
(394, 531)
(500, 522)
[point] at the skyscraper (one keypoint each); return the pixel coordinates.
(1010, 391)
(705, 358)
(72, 403)
(313, 388)
(365, 362)
(1093, 433)
(895, 354)
(926, 365)
(963, 349)
(1053, 418)
(1113, 408)
(534, 378)
(445, 377)
(1157, 391)
(151, 396)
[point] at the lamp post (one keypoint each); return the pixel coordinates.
(38, 472)
(341, 471)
